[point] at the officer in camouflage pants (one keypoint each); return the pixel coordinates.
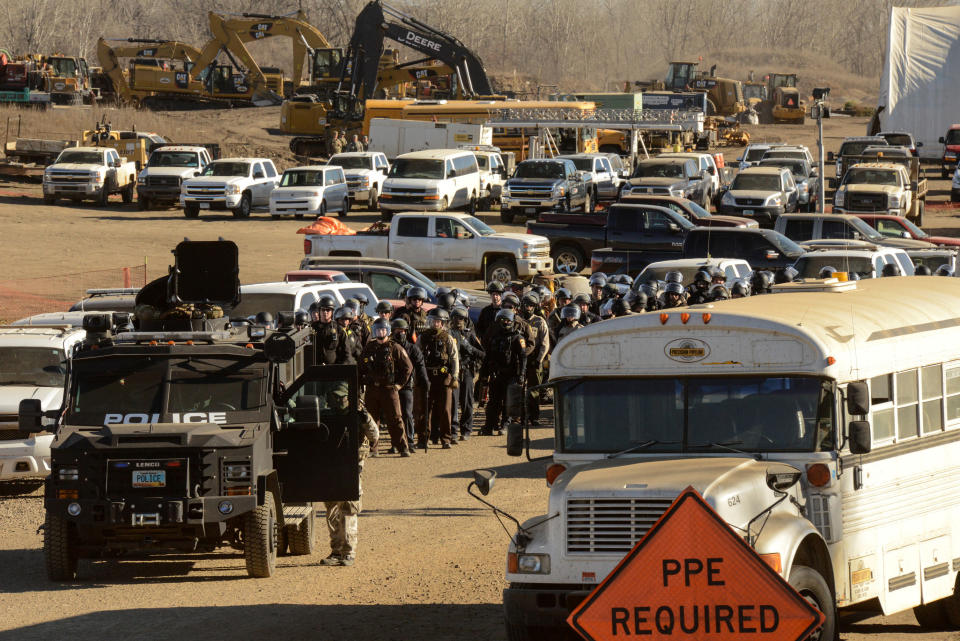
(342, 515)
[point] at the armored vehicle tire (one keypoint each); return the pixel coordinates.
(243, 209)
(60, 548)
(191, 211)
(49, 200)
(261, 538)
(127, 194)
(374, 199)
(506, 215)
(813, 587)
(302, 537)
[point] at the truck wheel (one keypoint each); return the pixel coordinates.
(471, 207)
(143, 203)
(302, 538)
(60, 548)
(260, 538)
(127, 194)
(103, 198)
(567, 260)
(49, 200)
(919, 219)
(191, 211)
(323, 208)
(813, 587)
(506, 215)
(374, 197)
(932, 616)
(243, 209)
(501, 270)
(386, 215)
(345, 207)
(445, 205)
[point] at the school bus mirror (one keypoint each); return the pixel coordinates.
(858, 399)
(514, 439)
(859, 435)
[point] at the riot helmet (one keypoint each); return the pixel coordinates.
(891, 269)
(438, 314)
(505, 318)
(740, 289)
(328, 302)
(719, 292)
(385, 307)
(494, 287)
(674, 277)
(827, 271)
(637, 301)
(510, 300)
(598, 279)
(619, 307)
(380, 329)
(570, 313)
(921, 270)
(563, 294)
(944, 270)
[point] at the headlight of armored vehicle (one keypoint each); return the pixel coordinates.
(68, 474)
(236, 471)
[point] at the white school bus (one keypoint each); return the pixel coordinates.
(821, 423)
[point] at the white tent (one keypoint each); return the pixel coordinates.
(920, 89)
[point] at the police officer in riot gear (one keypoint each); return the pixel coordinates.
(673, 296)
(384, 369)
(330, 344)
(697, 291)
(471, 357)
(740, 289)
(540, 337)
(413, 395)
(488, 313)
(345, 316)
(442, 361)
(385, 310)
(413, 312)
(569, 323)
(719, 292)
(636, 301)
(762, 282)
(505, 364)
(586, 315)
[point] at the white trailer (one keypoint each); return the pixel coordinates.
(394, 137)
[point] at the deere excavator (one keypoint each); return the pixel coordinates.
(363, 74)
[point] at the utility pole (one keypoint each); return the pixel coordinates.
(821, 111)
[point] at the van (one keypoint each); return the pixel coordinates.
(314, 190)
(431, 180)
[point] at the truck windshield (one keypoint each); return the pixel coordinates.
(351, 162)
(417, 168)
(864, 176)
(227, 169)
(63, 67)
(135, 388)
(32, 366)
(173, 159)
(658, 170)
(694, 414)
(797, 167)
(583, 164)
(482, 228)
(899, 140)
(81, 157)
(539, 170)
(756, 182)
(755, 153)
(302, 178)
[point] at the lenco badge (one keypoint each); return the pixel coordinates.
(687, 350)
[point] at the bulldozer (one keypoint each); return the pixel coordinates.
(724, 96)
(785, 102)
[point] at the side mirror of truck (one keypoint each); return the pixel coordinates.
(830, 156)
(919, 144)
(859, 435)
(712, 170)
(858, 399)
(30, 416)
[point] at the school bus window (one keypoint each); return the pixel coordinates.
(881, 406)
(907, 405)
(931, 387)
(952, 375)
(881, 390)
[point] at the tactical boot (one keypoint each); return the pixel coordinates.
(333, 559)
(348, 560)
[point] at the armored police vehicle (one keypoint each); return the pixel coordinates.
(192, 431)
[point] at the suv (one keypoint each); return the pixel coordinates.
(167, 167)
(314, 190)
(761, 193)
(753, 153)
(431, 180)
(804, 176)
(902, 139)
(605, 181)
(366, 172)
(33, 364)
(804, 227)
(761, 248)
(297, 295)
(237, 184)
(798, 152)
(677, 177)
(865, 262)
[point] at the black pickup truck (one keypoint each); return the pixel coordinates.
(548, 184)
(650, 232)
(762, 248)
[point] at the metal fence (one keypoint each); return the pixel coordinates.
(23, 297)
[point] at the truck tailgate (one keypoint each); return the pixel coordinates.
(353, 245)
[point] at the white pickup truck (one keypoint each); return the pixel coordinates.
(89, 173)
(365, 172)
(159, 181)
(447, 242)
(237, 184)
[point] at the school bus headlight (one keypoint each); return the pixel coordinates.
(533, 563)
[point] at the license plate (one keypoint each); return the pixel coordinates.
(152, 478)
(530, 210)
(748, 212)
(204, 205)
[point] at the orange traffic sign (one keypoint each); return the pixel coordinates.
(693, 578)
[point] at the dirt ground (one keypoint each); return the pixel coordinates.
(431, 558)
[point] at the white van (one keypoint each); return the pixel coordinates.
(431, 180)
(33, 364)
